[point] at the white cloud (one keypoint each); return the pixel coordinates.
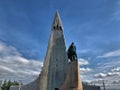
(6, 69)
(117, 69)
(100, 75)
(113, 72)
(82, 61)
(6, 50)
(15, 67)
(111, 79)
(116, 82)
(85, 70)
(110, 54)
(108, 74)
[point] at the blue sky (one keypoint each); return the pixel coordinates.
(93, 25)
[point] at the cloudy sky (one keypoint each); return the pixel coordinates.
(93, 25)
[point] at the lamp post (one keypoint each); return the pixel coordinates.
(103, 85)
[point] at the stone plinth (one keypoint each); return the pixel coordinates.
(73, 81)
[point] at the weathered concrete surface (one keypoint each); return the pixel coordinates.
(56, 56)
(31, 86)
(73, 81)
(54, 72)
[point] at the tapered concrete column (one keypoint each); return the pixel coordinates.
(56, 62)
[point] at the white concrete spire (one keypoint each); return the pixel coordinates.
(56, 61)
(57, 24)
(54, 70)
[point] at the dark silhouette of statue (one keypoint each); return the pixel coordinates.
(72, 55)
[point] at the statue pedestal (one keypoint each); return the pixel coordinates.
(73, 89)
(73, 81)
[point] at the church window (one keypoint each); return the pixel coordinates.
(60, 28)
(54, 27)
(57, 27)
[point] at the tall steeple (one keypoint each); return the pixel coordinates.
(56, 73)
(57, 24)
(56, 62)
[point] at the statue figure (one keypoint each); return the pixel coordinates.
(72, 55)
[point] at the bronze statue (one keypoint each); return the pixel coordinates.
(72, 55)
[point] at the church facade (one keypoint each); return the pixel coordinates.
(57, 73)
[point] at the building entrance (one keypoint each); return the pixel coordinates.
(56, 88)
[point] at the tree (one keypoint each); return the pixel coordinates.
(6, 85)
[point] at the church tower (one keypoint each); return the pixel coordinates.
(56, 57)
(57, 73)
